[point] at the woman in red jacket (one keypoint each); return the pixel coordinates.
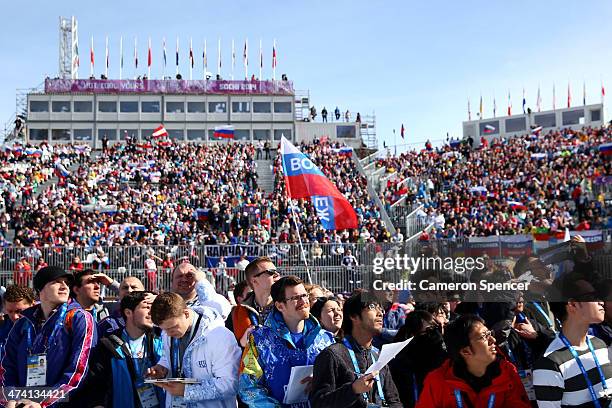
(474, 376)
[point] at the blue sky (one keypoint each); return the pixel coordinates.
(414, 63)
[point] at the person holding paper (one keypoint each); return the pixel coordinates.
(339, 378)
(290, 337)
(197, 345)
(474, 375)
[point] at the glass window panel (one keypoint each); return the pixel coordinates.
(107, 106)
(83, 106)
(175, 107)
(39, 106)
(150, 106)
(196, 107)
(60, 106)
(262, 107)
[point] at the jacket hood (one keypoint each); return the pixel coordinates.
(210, 319)
(276, 322)
(498, 383)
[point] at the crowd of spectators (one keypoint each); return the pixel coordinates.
(520, 185)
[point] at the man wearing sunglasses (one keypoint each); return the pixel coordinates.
(473, 376)
(338, 376)
(290, 337)
(260, 275)
(575, 370)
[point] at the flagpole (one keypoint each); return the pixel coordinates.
(149, 60)
(177, 55)
(260, 59)
(292, 206)
(120, 56)
(91, 57)
(274, 59)
(219, 57)
(233, 60)
(106, 62)
(190, 59)
(205, 60)
(246, 59)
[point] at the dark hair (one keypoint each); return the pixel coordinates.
(432, 307)
(132, 300)
(277, 291)
(240, 287)
(78, 276)
(166, 306)
(457, 335)
(415, 322)
(359, 300)
(317, 307)
(16, 293)
(251, 268)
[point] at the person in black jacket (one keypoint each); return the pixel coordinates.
(338, 379)
(425, 352)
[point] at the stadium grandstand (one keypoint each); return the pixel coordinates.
(87, 176)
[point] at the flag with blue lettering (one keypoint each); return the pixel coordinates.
(304, 180)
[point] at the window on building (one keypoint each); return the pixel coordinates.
(516, 124)
(217, 107)
(262, 107)
(60, 106)
(278, 133)
(128, 107)
(489, 128)
(196, 134)
(546, 120)
(196, 107)
(83, 134)
(176, 134)
(261, 134)
(83, 106)
(346, 132)
(110, 134)
(175, 107)
(150, 106)
(595, 115)
(146, 134)
(574, 117)
(241, 107)
(60, 134)
(125, 133)
(107, 106)
(39, 134)
(39, 106)
(282, 107)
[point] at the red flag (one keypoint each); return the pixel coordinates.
(569, 96)
(402, 131)
(160, 132)
(603, 90)
(149, 56)
(274, 56)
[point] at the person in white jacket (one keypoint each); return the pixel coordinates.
(196, 345)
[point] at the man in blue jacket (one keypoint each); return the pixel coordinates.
(48, 348)
(121, 359)
(290, 337)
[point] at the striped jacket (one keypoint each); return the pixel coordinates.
(67, 355)
(557, 378)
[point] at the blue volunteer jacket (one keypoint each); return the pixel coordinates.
(67, 352)
(269, 356)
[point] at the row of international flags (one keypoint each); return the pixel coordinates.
(480, 112)
(164, 57)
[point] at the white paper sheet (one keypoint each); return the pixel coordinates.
(387, 353)
(295, 391)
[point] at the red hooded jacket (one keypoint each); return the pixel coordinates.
(440, 385)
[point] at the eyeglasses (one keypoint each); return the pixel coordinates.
(270, 272)
(376, 306)
(484, 336)
(297, 298)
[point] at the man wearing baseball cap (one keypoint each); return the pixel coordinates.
(48, 348)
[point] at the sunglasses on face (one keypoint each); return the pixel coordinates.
(270, 272)
(376, 307)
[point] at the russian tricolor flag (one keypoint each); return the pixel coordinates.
(304, 180)
(34, 152)
(489, 129)
(224, 132)
(606, 149)
(517, 206)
